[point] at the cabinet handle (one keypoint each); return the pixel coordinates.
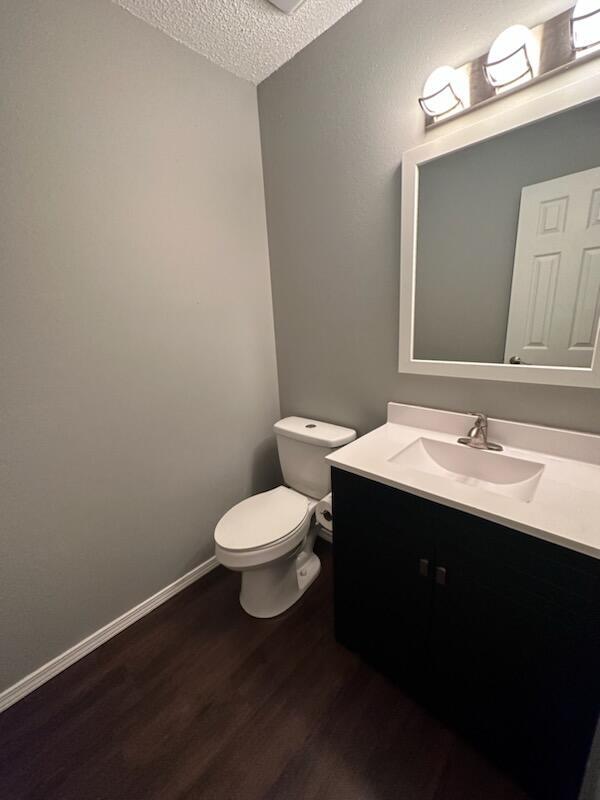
(440, 576)
(424, 567)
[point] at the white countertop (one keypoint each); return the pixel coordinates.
(565, 508)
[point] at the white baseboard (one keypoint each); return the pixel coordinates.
(30, 682)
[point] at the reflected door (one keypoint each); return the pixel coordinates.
(555, 295)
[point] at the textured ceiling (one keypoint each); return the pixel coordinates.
(250, 38)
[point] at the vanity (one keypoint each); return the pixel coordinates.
(470, 574)
(472, 578)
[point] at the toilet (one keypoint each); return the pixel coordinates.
(269, 537)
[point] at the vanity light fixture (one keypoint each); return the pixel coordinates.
(585, 25)
(443, 92)
(518, 57)
(511, 59)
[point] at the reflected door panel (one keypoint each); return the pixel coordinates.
(555, 294)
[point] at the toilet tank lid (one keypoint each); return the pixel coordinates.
(312, 431)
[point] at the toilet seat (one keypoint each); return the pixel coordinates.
(262, 520)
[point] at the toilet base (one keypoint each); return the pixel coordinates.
(270, 590)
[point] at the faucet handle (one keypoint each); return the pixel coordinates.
(481, 418)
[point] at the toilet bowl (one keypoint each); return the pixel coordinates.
(269, 537)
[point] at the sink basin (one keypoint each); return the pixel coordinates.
(483, 469)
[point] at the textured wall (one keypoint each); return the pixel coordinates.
(138, 374)
(334, 124)
(468, 214)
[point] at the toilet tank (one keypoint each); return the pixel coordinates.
(302, 445)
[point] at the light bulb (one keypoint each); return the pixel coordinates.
(585, 25)
(513, 58)
(445, 90)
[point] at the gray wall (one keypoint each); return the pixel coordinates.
(138, 378)
(334, 124)
(468, 213)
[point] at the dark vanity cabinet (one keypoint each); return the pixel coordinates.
(495, 631)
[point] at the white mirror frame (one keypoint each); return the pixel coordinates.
(540, 107)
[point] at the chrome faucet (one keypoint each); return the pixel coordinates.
(477, 435)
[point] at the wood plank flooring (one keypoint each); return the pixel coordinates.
(198, 701)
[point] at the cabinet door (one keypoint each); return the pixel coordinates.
(383, 563)
(515, 649)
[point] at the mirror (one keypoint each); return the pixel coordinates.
(508, 247)
(504, 258)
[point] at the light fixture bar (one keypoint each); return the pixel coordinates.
(557, 53)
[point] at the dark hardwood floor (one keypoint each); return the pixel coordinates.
(198, 700)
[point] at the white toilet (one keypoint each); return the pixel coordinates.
(269, 537)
